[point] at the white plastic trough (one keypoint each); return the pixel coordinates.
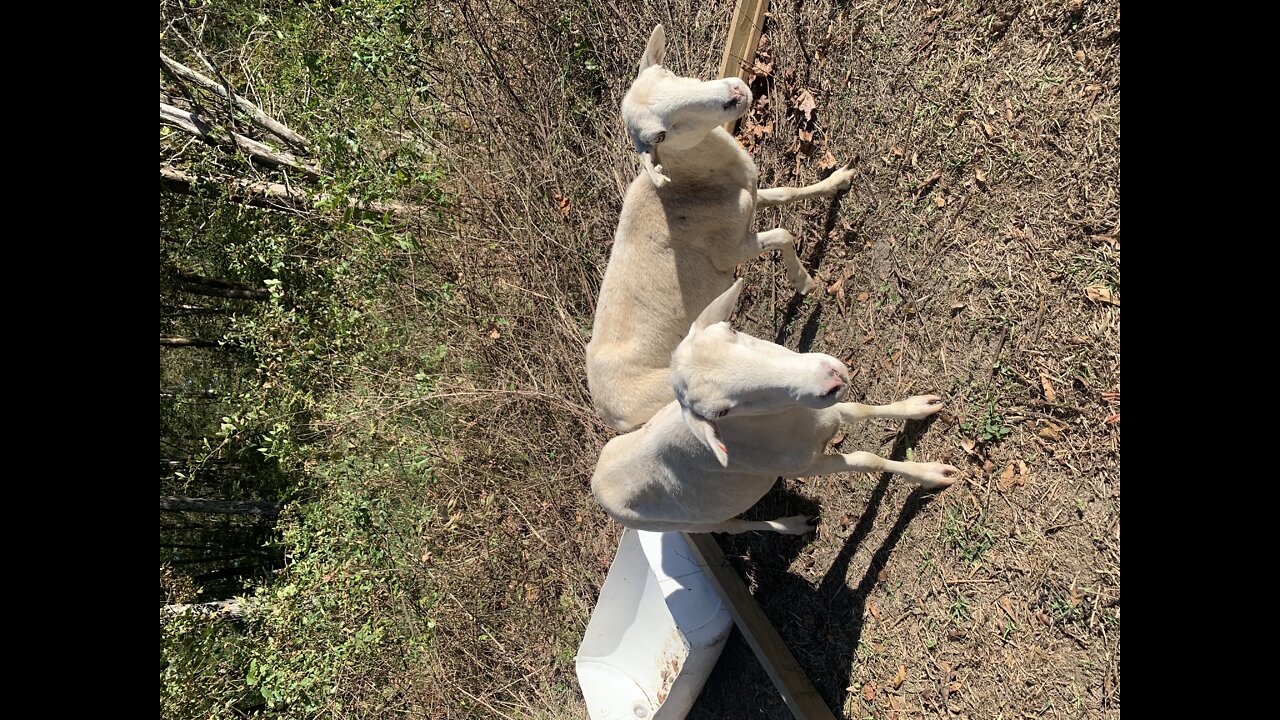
(656, 633)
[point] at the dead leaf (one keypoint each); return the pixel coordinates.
(863, 296)
(940, 201)
(988, 129)
(1049, 394)
(1004, 605)
(982, 177)
(1112, 238)
(1050, 433)
(871, 608)
(929, 182)
(804, 102)
(806, 136)
(1006, 480)
(968, 446)
(563, 203)
(1097, 293)
(900, 678)
(828, 161)
(758, 130)
(762, 68)
(896, 151)
(869, 692)
(1080, 58)
(837, 439)
(837, 287)
(1113, 419)
(494, 334)
(1010, 478)
(955, 686)
(1008, 110)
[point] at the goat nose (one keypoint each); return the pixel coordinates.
(838, 371)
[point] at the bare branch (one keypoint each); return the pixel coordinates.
(260, 508)
(195, 125)
(175, 341)
(219, 610)
(274, 195)
(261, 119)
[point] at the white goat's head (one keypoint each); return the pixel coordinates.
(662, 108)
(716, 371)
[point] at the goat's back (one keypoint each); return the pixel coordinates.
(675, 250)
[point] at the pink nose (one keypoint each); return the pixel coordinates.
(838, 370)
(837, 378)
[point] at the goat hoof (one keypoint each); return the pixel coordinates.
(797, 524)
(922, 406)
(937, 475)
(842, 178)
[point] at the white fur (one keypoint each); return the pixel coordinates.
(746, 412)
(684, 228)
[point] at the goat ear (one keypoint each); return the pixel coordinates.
(656, 50)
(721, 308)
(656, 173)
(707, 432)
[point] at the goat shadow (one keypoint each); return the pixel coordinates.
(822, 625)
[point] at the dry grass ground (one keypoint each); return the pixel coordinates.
(973, 257)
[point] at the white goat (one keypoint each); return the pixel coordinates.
(684, 228)
(746, 411)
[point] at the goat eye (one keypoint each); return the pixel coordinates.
(660, 137)
(722, 413)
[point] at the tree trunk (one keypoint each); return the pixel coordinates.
(177, 311)
(229, 573)
(261, 119)
(216, 558)
(260, 508)
(175, 341)
(213, 287)
(218, 610)
(195, 125)
(273, 196)
(175, 394)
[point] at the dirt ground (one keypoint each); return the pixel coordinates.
(977, 256)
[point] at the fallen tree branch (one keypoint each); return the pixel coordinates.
(175, 341)
(272, 195)
(195, 125)
(219, 610)
(260, 508)
(259, 118)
